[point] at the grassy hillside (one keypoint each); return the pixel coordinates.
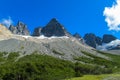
(115, 59)
(98, 77)
(113, 64)
(44, 67)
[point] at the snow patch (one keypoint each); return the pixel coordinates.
(106, 46)
(57, 37)
(24, 36)
(53, 37)
(42, 37)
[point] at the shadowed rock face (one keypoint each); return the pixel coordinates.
(108, 38)
(20, 29)
(13, 29)
(53, 28)
(76, 35)
(98, 40)
(37, 31)
(92, 40)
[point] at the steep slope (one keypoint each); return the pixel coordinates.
(53, 28)
(4, 33)
(61, 47)
(92, 40)
(67, 55)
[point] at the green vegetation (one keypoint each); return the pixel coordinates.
(91, 69)
(98, 60)
(36, 67)
(44, 67)
(115, 59)
(13, 56)
(2, 57)
(98, 77)
(107, 66)
(22, 47)
(103, 62)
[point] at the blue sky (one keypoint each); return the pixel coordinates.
(82, 16)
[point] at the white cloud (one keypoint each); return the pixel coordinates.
(7, 22)
(110, 45)
(112, 16)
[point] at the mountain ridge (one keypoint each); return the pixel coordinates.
(37, 56)
(54, 28)
(65, 47)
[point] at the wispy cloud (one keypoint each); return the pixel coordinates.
(6, 21)
(112, 16)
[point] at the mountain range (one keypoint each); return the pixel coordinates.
(53, 39)
(54, 28)
(53, 51)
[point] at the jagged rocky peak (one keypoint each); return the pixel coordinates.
(108, 38)
(20, 29)
(13, 29)
(92, 40)
(54, 28)
(98, 40)
(77, 35)
(37, 31)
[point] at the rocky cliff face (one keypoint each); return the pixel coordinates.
(98, 40)
(110, 41)
(63, 47)
(37, 31)
(53, 28)
(77, 35)
(108, 38)
(92, 40)
(20, 29)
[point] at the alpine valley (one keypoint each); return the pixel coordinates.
(53, 53)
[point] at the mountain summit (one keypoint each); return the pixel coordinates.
(20, 29)
(53, 28)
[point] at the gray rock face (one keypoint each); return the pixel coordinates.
(53, 28)
(37, 31)
(92, 40)
(108, 38)
(13, 29)
(64, 48)
(20, 29)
